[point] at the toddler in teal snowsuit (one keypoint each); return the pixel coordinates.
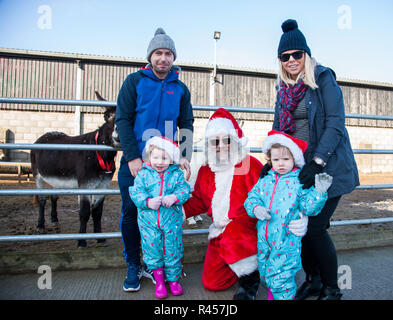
(158, 192)
(275, 200)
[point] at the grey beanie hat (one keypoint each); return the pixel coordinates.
(160, 41)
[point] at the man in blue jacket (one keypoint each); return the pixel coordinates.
(151, 102)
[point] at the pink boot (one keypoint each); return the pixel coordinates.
(160, 289)
(269, 294)
(176, 288)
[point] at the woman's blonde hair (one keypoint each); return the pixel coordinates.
(307, 74)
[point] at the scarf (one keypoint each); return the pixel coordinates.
(289, 97)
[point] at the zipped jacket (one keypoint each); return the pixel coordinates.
(161, 230)
(148, 106)
(329, 139)
(150, 184)
(284, 196)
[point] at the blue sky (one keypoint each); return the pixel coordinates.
(354, 37)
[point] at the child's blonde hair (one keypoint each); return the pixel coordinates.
(150, 149)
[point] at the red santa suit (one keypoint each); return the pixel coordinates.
(220, 192)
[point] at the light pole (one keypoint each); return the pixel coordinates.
(216, 36)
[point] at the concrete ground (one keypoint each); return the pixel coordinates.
(365, 274)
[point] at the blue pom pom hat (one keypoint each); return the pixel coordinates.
(292, 38)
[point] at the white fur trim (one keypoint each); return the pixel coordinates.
(220, 125)
(168, 146)
(221, 202)
(245, 266)
(243, 141)
(287, 142)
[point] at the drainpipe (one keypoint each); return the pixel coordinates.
(78, 94)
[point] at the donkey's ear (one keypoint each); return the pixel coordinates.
(99, 97)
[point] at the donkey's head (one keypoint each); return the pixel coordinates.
(110, 130)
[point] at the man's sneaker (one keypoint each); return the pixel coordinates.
(133, 279)
(147, 273)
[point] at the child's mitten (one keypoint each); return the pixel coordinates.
(168, 201)
(261, 213)
(154, 203)
(322, 182)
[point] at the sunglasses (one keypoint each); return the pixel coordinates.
(297, 55)
(216, 142)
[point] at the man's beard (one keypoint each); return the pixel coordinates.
(162, 71)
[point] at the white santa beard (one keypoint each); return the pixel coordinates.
(236, 154)
(221, 201)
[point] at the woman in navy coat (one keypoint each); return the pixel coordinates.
(310, 107)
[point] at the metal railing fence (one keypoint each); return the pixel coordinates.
(108, 235)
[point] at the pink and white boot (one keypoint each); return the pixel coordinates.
(176, 288)
(269, 294)
(160, 289)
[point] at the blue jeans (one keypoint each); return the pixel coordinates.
(129, 217)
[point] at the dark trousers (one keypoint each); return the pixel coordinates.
(129, 217)
(319, 256)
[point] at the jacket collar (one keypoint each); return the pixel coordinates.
(173, 74)
(293, 173)
(148, 167)
(319, 69)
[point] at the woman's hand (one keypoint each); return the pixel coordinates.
(307, 175)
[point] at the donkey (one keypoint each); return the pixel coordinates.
(77, 169)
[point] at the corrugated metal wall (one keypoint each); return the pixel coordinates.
(105, 78)
(368, 100)
(37, 78)
(53, 75)
(198, 82)
(248, 90)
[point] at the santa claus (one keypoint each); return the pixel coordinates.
(221, 187)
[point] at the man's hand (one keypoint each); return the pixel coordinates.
(135, 166)
(185, 165)
(154, 203)
(169, 200)
(299, 227)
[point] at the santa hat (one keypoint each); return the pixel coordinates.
(222, 121)
(296, 146)
(166, 144)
